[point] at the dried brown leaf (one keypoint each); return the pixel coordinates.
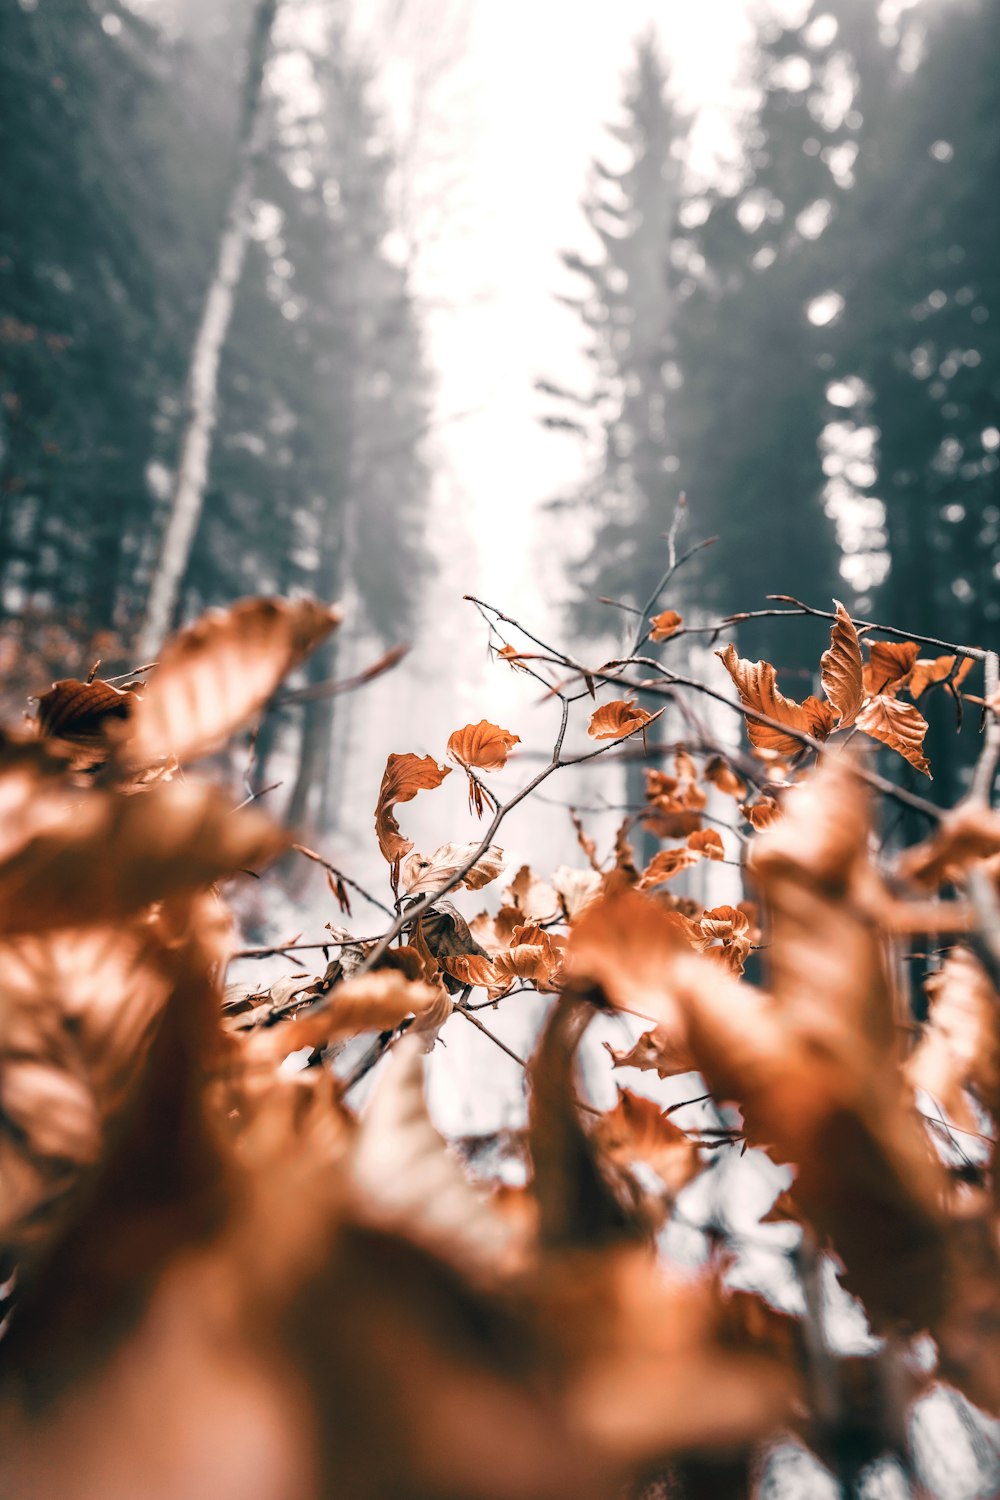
(762, 813)
(404, 776)
(615, 720)
(898, 725)
(534, 898)
(722, 775)
(965, 835)
(959, 1048)
(755, 682)
(888, 666)
(420, 873)
(376, 1001)
(927, 671)
(666, 864)
(637, 1130)
(483, 746)
(664, 1048)
(81, 713)
(107, 856)
(840, 668)
(217, 674)
(664, 625)
(708, 843)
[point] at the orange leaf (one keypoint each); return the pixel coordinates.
(898, 725)
(625, 943)
(665, 625)
(482, 745)
(665, 865)
(840, 668)
(216, 675)
(372, 1002)
(708, 843)
(965, 834)
(762, 813)
(637, 1130)
(515, 658)
(960, 1046)
(928, 671)
(109, 856)
(615, 720)
(80, 712)
(420, 873)
(888, 665)
(404, 776)
(756, 685)
(719, 774)
(664, 1048)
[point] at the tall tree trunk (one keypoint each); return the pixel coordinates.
(305, 803)
(202, 397)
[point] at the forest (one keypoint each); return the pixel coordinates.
(649, 1159)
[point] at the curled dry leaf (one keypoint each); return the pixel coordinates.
(674, 805)
(625, 944)
(442, 932)
(534, 954)
(404, 776)
(216, 675)
(664, 1048)
(708, 843)
(535, 899)
(966, 834)
(615, 720)
(77, 1013)
(405, 1177)
(420, 873)
(888, 666)
(720, 774)
(959, 1048)
(664, 625)
(840, 669)
(108, 857)
(377, 1001)
(576, 889)
(637, 1130)
(81, 714)
(762, 813)
(662, 1332)
(666, 864)
(482, 746)
(757, 686)
(898, 725)
(515, 658)
(730, 927)
(927, 671)
(814, 1065)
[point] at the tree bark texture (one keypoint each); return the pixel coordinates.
(202, 395)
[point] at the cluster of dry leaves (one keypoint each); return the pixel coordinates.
(226, 1281)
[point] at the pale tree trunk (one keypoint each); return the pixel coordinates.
(202, 395)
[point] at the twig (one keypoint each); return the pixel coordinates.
(665, 684)
(799, 609)
(317, 690)
(282, 948)
(339, 875)
(985, 771)
(256, 796)
(460, 1010)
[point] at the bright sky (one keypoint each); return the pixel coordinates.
(542, 80)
